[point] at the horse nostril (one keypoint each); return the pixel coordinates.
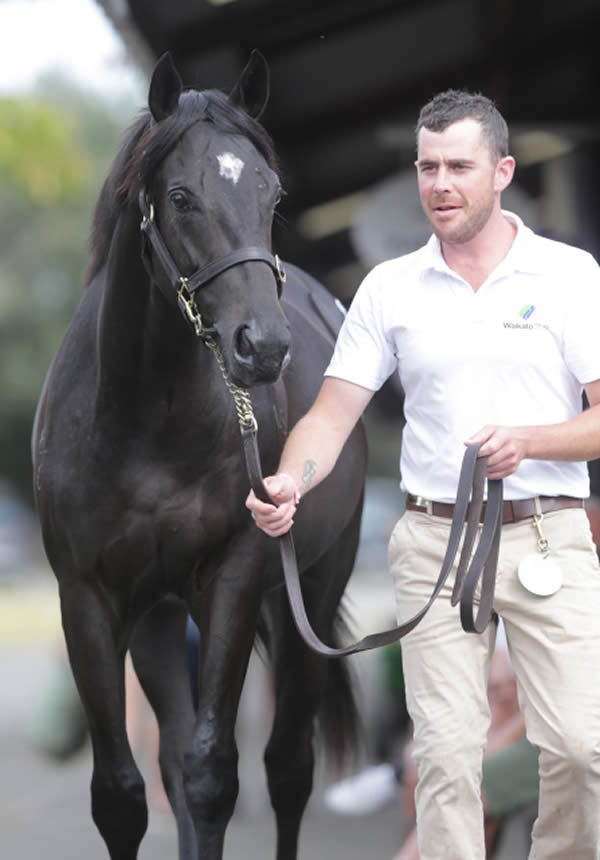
(244, 344)
(258, 353)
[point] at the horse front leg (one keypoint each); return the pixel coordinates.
(118, 798)
(307, 686)
(299, 678)
(226, 613)
(158, 651)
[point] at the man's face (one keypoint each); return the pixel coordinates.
(457, 180)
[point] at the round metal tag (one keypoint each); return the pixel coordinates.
(540, 574)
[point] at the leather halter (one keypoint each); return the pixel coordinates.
(187, 286)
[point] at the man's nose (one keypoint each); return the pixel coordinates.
(442, 179)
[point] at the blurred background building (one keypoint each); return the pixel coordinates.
(348, 78)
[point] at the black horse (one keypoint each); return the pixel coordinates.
(140, 480)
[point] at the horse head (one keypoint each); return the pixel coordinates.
(208, 190)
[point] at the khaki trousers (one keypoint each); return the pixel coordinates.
(554, 644)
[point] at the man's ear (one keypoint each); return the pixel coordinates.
(165, 88)
(505, 170)
(251, 92)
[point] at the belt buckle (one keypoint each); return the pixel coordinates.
(420, 502)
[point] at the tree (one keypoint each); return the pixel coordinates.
(55, 149)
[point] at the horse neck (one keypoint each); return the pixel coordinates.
(143, 347)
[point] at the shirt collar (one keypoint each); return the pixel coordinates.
(520, 258)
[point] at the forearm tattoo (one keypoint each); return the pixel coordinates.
(309, 471)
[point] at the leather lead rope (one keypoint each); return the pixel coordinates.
(471, 568)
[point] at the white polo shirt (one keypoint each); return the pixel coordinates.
(515, 352)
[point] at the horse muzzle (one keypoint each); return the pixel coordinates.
(257, 357)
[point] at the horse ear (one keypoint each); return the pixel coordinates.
(252, 89)
(165, 88)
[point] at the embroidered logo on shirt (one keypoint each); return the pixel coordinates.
(526, 311)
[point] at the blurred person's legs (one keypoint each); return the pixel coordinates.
(410, 847)
(390, 726)
(510, 788)
(142, 731)
(141, 723)
(372, 788)
(377, 785)
(510, 779)
(58, 725)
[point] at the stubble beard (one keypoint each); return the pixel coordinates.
(470, 226)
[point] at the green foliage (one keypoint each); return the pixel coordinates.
(55, 150)
(39, 156)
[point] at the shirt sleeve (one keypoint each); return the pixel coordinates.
(581, 343)
(363, 353)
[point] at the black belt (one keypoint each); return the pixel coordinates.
(512, 511)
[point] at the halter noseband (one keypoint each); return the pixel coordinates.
(187, 287)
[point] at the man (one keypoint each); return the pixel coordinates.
(493, 331)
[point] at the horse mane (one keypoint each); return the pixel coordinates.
(146, 143)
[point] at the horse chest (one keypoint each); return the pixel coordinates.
(157, 552)
(181, 524)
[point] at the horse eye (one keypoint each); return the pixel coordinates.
(179, 200)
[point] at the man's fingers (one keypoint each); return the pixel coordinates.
(280, 530)
(281, 488)
(273, 520)
(256, 505)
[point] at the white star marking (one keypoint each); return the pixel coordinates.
(230, 166)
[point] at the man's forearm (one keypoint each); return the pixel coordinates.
(311, 452)
(575, 440)
(315, 443)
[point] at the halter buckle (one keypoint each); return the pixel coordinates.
(187, 306)
(146, 208)
(281, 273)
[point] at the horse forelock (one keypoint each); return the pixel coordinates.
(146, 143)
(226, 117)
(160, 138)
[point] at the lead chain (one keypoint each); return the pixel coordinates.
(241, 397)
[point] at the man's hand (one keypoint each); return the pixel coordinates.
(505, 447)
(274, 521)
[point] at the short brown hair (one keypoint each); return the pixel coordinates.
(453, 106)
